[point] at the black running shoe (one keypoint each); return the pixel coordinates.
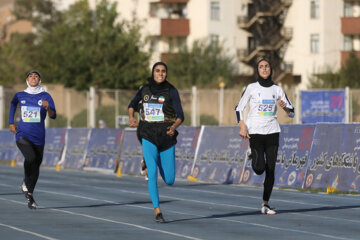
(24, 188)
(159, 218)
(143, 166)
(31, 202)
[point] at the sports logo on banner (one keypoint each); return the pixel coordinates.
(323, 106)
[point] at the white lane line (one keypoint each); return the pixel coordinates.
(182, 213)
(28, 232)
(23, 230)
(128, 224)
(101, 219)
(195, 215)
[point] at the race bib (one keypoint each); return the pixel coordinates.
(153, 112)
(30, 114)
(267, 107)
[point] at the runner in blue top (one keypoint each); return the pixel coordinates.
(34, 103)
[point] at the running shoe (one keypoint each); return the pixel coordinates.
(24, 188)
(143, 167)
(31, 202)
(266, 209)
(159, 218)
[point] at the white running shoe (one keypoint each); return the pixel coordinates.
(24, 188)
(266, 209)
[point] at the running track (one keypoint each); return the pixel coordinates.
(84, 205)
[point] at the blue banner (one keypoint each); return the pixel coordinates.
(76, 145)
(185, 150)
(221, 155)
(8, 148)
(323, 106)
(54, 146)
(334, 157)
(131, 153)
(293, 154)
(102, 150)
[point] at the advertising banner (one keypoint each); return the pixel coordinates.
(185, 150)
(54, 146)
(8, 148)
(130, 153)
(293, 153)
(334, 157)
(102, 149)
(75, 149)
(323, 106)
(221, 155)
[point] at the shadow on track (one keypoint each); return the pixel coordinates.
(106, 205)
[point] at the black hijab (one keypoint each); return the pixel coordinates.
(262, 81)
(154, 86)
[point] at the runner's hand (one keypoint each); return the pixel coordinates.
(133, 123)
(45, 104)
(13, 128)
(244, 133)
(170, 131)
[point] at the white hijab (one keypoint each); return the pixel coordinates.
(34, 90)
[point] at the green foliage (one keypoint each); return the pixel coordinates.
(347, 76)
(16, 67)
(79, 47)
(59, 122)
(203, 65)
(107, 114)
(79, 120)
(187, 120)
(206, 119)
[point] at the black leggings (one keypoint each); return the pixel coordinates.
(33, 155)
(265, 145)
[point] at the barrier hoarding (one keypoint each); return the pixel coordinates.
(334, 157)
(102, 149)
(221, 155)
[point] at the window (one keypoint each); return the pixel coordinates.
(154, 43)
(314, 9)
(314, 43)
(215, 11)
(348, 43)
(348, 9)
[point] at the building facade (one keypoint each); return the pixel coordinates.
(301, 37)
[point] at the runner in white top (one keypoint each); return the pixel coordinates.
(262, 127)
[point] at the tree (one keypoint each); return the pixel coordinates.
(81, 47)
(347, 76)
(93, 49)
(202, 65)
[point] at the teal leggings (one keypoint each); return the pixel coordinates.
(166, 168)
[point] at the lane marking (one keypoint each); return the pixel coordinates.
(195, 215)
(99, 218)
(28, 232)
